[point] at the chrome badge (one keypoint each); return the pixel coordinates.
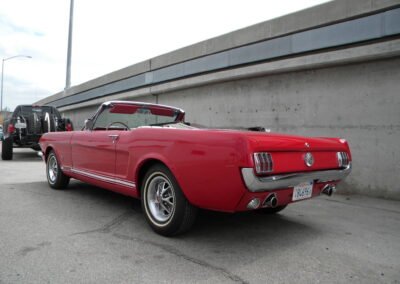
(309, 159)
(307, 145)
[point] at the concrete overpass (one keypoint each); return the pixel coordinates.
(331, 70)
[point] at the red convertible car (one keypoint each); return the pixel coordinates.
(147, 151)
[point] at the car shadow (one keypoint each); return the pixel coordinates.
(101, 195)
(258, 229)
(210, 227)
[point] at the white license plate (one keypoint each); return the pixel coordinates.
(20, 125)
(302, 191)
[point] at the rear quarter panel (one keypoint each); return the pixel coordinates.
(205, 164)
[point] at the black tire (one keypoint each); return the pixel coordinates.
(55, 176)
(160, 193)
(7, 149)
(272, 210)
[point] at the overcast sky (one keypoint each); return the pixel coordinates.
(109, 35)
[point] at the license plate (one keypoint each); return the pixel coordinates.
(20, 125)
(302, 191)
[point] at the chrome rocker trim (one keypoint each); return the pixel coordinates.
(104, 178)
(257, 184)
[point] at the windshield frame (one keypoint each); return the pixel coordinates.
(179, 113)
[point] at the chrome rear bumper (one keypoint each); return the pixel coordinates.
(256, 184)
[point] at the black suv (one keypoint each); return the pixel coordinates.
(27, 124)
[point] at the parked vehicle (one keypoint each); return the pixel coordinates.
(1, 133)
(27, 124)
(148, 152)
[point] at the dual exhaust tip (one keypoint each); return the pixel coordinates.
(328, 189)
(272, 201)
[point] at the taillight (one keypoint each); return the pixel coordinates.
(11, 128)
(262, 162)
(68, 127)
(343, 159)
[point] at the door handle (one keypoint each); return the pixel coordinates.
(114, 137)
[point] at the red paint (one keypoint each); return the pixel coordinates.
(206, 163)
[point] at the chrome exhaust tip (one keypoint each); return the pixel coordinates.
(271, 201)
(328, 189)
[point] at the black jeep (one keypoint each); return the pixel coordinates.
(27, 124)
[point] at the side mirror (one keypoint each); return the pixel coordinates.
(88, 124)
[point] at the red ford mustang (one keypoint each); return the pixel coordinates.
(148, 152)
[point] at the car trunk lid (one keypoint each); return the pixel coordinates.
(293, 153)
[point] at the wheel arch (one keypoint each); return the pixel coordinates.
(48, 150)
(142, 169)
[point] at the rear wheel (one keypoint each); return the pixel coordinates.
(7, 149)
(271, 210)
(166, 208)
(55, 177)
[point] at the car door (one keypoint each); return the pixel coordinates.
(93, 149)
(93, 152)
(125, 151)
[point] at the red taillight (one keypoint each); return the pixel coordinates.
(11, 128)
(263, 163)
(68, 127)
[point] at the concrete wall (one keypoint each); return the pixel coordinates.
(359, 102)
(333, 24)
(350, 90)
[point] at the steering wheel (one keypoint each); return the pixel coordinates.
(119, 122)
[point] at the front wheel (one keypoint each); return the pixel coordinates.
(55, 177)
(166, 208)
(7, 149)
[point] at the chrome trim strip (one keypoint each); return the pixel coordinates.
(104, 178)
(66, 168)
(256, 184)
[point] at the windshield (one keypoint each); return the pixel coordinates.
(133, 116)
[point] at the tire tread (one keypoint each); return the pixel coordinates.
(180, 223)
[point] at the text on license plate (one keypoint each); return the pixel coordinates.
(302, 191)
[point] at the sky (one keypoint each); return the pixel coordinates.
(110, 35)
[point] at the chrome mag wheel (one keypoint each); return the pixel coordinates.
(52, 169)
(166, 208)
(55, 176)
(161, 198)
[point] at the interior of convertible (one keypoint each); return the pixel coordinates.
(126, 117)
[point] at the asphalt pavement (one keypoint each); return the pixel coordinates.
(85, 234)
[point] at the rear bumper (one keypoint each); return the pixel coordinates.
(259, 184)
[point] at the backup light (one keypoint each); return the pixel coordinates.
(263, 162)
(343, 159)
